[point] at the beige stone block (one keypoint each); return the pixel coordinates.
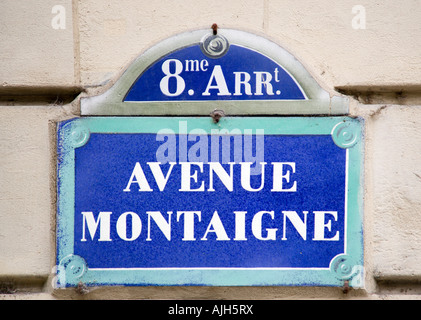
(27, 193)
(393, 174)
(324, 36)
(115, 33)
(320, 33)
(34, 50)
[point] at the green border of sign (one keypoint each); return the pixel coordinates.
(346, 132)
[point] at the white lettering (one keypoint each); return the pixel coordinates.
(189, 223)
(263, 79)
(244, 82)
(215, 225)
(103, 220)
(164, 83)
(246, 175)
(204, 65)
(277, 75)
(140, 177)
(256, 226)
(160, 179)
(320, 225)
(299, 225)
(129, 225)
(220, 85)
(121, 226)
(190, 181)
(278, 177)
(240, 225)
(186, 176)
(195, 65)
(160, 221)
(226, 179)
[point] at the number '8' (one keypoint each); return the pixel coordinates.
(164, 84)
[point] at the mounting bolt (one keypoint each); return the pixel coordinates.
(345, 288)
(215, 29)
(216, 115)
(82, 288)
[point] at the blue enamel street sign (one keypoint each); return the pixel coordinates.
(187, 201)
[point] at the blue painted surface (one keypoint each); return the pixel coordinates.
(194, 83)
(103, 169)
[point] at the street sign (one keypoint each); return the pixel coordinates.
(197, 72)
(176, 197)
(191, 201)
(190, 74)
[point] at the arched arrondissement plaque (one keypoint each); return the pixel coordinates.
(197, 72)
